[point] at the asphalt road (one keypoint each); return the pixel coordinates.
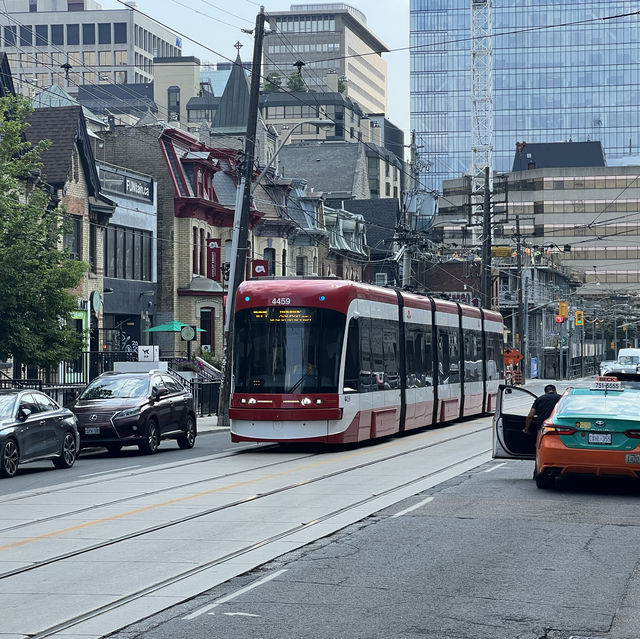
(484, 555)
(98, 462)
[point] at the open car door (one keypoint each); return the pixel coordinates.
(509, 440)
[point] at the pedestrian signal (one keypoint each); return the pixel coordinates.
(579, 318)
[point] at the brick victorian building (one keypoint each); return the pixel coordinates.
(196, 192)
(69, 169)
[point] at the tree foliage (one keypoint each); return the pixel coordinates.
(36, 276)
(295, 82)
(273, 83)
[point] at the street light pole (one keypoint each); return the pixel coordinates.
(485, 260)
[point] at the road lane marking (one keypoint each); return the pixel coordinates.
(414, 507)
(238, 484)
(113, 470)
(490, 470)
(233, 595)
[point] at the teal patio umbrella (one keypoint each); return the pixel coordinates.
(173, 327)
(170, 327)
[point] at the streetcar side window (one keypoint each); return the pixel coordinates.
(419, 355)
(377, 353)
(366, 377)
(448, 355)
(390, 351)
(495, 356)
(352, 362)
(472, 355)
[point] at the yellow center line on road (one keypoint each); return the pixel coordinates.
(177, 500)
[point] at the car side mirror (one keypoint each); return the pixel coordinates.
(159, 392)
(23, 413)
(508, 391)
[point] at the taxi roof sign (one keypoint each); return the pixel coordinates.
(607, 384)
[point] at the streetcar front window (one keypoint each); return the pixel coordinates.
(287, 350)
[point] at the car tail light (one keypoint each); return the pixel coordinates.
(549, 428)
(634, 434)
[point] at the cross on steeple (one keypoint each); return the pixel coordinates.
(238, 45)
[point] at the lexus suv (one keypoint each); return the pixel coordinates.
(135, 409)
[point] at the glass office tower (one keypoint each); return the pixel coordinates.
(576, 82)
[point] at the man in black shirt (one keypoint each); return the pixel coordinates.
(542, 407)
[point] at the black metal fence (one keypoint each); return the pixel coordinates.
(205, 397)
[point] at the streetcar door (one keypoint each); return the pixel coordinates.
(509, 440)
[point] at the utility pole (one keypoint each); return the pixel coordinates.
(521, 291)
(241, 223)
(485, 260)
(524, 336)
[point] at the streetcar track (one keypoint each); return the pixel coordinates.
(139, 533)
(153, 469)
(122, 500)
(74, 621)
(158, 491)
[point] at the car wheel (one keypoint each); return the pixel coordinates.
(9, 458)
(189, 438)
(114, 449)
(69, 452)
(543, 480)
(150, 445)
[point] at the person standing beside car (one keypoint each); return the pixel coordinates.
(542, 407)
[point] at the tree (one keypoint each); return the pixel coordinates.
(35, 274)
(342, 85)
(295, 82)
(273, 83)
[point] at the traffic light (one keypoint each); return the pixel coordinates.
(563, 309)
(579, 318)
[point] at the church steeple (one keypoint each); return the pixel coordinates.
(233, 110)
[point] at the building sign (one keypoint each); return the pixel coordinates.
(138, 187)
(213, 259)
(259, 268)
(149, 353)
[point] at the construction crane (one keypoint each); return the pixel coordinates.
(482, 137)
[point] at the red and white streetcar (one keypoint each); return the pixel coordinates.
(333, 361)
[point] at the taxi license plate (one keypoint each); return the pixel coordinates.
(632, 459)
(599, 438)
(92, 430)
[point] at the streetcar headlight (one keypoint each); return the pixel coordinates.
(305, 401)
(252, 400)
(318, 401)
(243, 400)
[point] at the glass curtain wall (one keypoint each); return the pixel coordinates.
(574, 82)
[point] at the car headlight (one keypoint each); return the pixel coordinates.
(128, 412)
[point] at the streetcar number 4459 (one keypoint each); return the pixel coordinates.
(281, 301)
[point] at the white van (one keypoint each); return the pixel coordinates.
(628, 362)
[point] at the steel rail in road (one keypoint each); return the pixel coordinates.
(210, 511)
(85, 616)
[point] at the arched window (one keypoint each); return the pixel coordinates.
(269, 254)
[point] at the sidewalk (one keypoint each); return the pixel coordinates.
(209, 424)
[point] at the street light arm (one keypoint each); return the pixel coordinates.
(318, 123)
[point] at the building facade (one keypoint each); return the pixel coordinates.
(77, 42)
(330, 36)
(130, 255)
(580, 81)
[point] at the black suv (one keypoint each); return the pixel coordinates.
(135, 409)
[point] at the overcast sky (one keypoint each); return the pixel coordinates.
(217, 24)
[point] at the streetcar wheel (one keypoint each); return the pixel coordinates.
(69, 452)
(150, 445)
(189, 438)
(9, 458)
